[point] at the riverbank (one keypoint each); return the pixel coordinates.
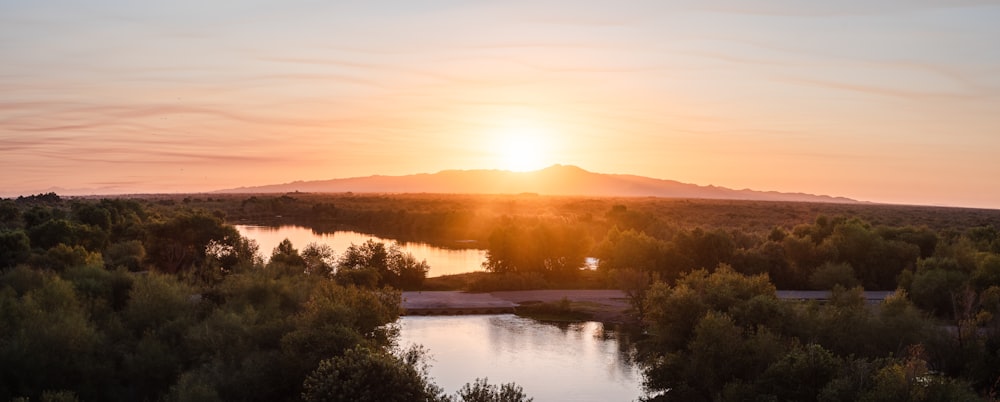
(604, 305)
(597, 305)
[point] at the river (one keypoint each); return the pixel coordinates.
(565, 362)
(442, 261)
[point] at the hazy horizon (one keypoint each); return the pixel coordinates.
(886, 101)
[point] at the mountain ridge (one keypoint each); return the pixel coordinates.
(560, 180)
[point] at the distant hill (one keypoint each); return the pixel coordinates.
(554, 180)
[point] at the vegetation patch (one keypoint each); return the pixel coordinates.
(563, 310)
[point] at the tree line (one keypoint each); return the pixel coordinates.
(725, 336)
(161, 299)
(115, 299)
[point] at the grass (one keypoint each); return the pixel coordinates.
(491, 282)
(560, 311)
(453, 282)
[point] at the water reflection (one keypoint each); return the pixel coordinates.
(565, 362)
(442, 261)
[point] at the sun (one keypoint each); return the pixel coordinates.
(522, 149)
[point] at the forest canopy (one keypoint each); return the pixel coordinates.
(160, 298)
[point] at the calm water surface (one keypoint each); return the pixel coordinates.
(576, 362)
(442, 261)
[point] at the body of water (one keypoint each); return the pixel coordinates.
(569, 362)
(442, 261)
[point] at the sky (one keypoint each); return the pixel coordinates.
(894, 101)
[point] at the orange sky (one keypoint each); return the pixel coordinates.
(886, 101)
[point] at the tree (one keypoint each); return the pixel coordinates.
(707, 249)
(407, 272)
(936, 284)
(673, 312)
(182, 241)
(365, 375)
(987, 272)
(911, 380)
(801, 374)
(630, 250)
(15, 247)
(128, 254)
(61, 257)
(10, 214)
(832, 274)
(48, 342)
(877, 261)
(635, 284)
(370, 254)
(373, 263)
(231, 253)
(90, 214)
(285, 253)
(320, 259)
(56, 231)
(556, 251)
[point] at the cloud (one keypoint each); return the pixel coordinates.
(903, 93)
(794, 8)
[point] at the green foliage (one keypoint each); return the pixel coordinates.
(800, 374)
(335, 318)
(987, 272)
(631, 250)
(364, 375)
(49, 343)
(183, 241)
(319, 259)
(672, 313)
(725, 336)
(554, 251)
(15, 248)
(829, 275)
(126, 254)
(936, 284)
(482, 391)
(361, 277)
(91, 214)
(233, 254)
(286, 254)
(192, 388)
(877, 261)
(558, 311)
(706, 249)
(62, 256)
(61, 231)
(73, 318)
(10, 214)
(37, 215)
(211, 323)
(911, 380)
(373, 264)
(635, 284)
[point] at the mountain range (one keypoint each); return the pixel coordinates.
(553, 180)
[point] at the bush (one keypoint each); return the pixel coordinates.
(482, 391)
(364, 375)
(831, 274)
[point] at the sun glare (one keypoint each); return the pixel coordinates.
(522, 149)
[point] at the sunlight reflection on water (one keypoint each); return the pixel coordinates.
(574, 362)
(442, 261)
